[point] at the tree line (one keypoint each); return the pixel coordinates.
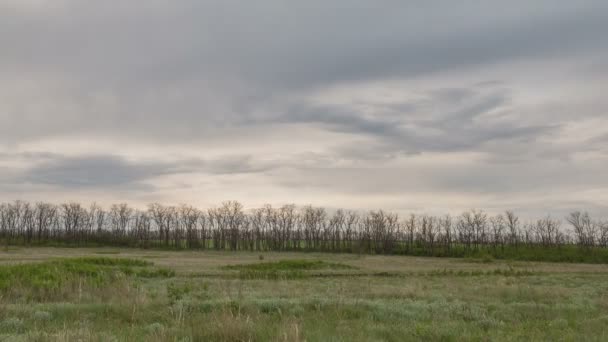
(289, 228)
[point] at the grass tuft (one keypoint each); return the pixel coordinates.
(290, 265)
(284, 269)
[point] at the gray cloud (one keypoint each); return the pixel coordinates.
(447, 120)
(476, 177)
(112, 171)
(295, 44)
(181, 70)
(93, 171)
(313, 96)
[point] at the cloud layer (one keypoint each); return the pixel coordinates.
(411, 106)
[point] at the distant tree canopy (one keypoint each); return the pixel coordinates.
(290, 228)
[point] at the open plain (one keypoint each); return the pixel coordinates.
(110, 294)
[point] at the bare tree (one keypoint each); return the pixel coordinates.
(465, 225)
(585, 229)
(120, 217)
(45, 215)
(603, 239)
(446, 227)
(162, 218)
(142, 228)
(512, 222)
(257, 224)
(547, 232)
(428, 232)
(497, 223)
(287, 219)
(410, 226)
(74, 220)
(351, 221)
(288, 228)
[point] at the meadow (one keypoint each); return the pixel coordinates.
(114, 294)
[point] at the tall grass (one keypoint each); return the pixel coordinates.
(63, 278)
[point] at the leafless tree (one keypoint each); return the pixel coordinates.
(120, 217)
(287, 219)
(288, 227)
(45, 216)
(74, 220)
(162, 218)
(547, 231)
(498, 224)
(465, 225)
(351, 221)
(586, 230)
(603, 239)
(446, 227)
(410, 227)
(428, 232)
(512, 222)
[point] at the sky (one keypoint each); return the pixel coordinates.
(409, 106)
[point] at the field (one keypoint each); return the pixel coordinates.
(108, 294)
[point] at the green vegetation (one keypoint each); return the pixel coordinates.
(290, 265)
(560, 254)
(61, 278)
(63, 295)
(285, 269)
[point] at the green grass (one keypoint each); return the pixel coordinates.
(49, 280)
(371, 298)
(290, 265)
(560, 254)
(285, 269)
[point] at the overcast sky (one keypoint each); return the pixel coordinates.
(411, 106)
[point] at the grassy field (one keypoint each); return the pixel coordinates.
(139, 295)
